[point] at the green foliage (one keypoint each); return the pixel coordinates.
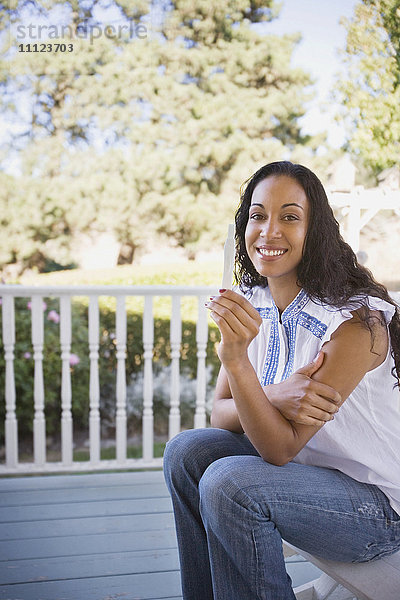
(110, 453)
(147, 138)
(370, 92)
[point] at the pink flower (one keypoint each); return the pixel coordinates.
(27, 355)
(53, 316)
(74, 360)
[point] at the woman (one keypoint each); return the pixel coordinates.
(309, 454)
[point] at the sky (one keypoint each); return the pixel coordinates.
(318, 53)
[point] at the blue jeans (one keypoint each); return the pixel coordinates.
(232, 510)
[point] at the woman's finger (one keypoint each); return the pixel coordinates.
(225, 318)
(323, 405)
(240, 313)
(246, 329)
(320, 415)
(324, 392)
(243, 303)
(311, 421)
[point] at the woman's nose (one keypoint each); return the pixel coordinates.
(270, 229)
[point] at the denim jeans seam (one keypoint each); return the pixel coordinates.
(328, 510)
(257, 578)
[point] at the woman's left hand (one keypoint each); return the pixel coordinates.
(238, 322)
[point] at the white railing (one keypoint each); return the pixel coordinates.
(65, 294)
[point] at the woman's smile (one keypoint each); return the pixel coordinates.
(270, 253)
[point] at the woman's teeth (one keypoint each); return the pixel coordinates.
(270, 252)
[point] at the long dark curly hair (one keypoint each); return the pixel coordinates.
(328, 271)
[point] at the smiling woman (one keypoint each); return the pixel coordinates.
(305, 427)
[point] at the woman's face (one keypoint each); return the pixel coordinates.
(277, 228)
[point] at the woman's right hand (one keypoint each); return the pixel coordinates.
(301, 399)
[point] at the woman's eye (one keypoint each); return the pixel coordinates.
(256, 216)
(290, 217)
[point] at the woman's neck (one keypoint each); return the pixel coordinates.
(283, 294)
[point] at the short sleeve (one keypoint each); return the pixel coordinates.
(340, 315)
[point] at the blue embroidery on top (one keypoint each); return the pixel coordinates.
(272, 358)
(316, 327)
(291, 331)
(295, 306)
(265, 313)
(292, 316)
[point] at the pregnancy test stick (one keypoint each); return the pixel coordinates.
(229, 258)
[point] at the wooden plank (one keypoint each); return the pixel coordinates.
(115, 563)
(125, 541)
(13, 514)
(91, 565)
(90, 494)
(155, 587)
(301, 572)
(76, 480)
(63, 527)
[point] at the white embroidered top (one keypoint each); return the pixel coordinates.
(363, 440)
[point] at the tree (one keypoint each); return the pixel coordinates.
(370, 91)
(149, 137)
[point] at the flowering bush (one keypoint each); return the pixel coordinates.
(79, 365)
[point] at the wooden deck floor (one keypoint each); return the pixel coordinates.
(93, 537)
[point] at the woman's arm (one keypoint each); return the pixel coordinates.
(299, 399)
(348, 357)
(224, 413)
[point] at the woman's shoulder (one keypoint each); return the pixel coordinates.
(334, 316)
(346, 311)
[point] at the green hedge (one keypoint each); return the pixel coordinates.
(24, 366)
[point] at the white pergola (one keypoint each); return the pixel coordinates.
(360, 205)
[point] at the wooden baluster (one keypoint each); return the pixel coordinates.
(11, 425)
(94, 386)
(121, 380)
(39, 424)
(175, 339)
(201, 340)
(148, 341)
(66, 395)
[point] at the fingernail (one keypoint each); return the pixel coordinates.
(212, 297)
(222, 291)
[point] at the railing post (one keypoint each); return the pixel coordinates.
(121, 441)
(175, 338)
(66, 396)
(94, 387)
(39, 424)
(11, 425)
(201, 385)
(148, 341)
